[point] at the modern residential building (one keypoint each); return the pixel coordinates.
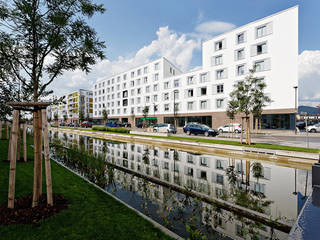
(270, 44)
(71, 106)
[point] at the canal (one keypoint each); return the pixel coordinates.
(200, 196)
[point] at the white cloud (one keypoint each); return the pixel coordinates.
(214, 27)
(309, 78)
(177, 47)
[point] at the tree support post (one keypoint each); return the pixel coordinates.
(24, 133)
(46, 157)
(41, 148)
(19, 142)
(7, 130)
(13, 158)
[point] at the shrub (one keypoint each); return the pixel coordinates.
(111, 129)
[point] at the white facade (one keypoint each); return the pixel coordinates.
(270, 43)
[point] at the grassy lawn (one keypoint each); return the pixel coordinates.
(91, 214)
(218, 141)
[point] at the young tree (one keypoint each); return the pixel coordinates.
(105, 116)
(145, 113)
(41, 39)
(249, 94)
(231, 112)
(133, 117)
(56, 118)
(65, 117)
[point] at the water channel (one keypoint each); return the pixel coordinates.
(200, 196)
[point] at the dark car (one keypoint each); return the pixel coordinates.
(62, 124)
(200, 129)
(113, 124)
(301, 125)
(71, 124)
(86, 124)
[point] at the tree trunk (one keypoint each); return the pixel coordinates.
(248, 173)
(257, 125)
(10, 146)
(47, 158)
(13, 159)
(41, 148)
(260, 123)
(241, 136)
(248, 140)
(241, 172)
(25, 142)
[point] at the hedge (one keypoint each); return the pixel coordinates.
(111, 129)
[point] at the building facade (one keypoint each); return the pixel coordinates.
(270, 44)
(73, 103)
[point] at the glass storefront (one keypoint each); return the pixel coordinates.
(181, 121)
(278, 121)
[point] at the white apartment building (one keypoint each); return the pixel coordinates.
(270, 44)
(73, 103)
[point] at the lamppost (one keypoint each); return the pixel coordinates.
(174, 107)
(295, 107)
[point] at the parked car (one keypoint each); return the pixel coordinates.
(71, 124)
(164, 127)
(126, 124)
(314, 128)
(228, 128)
(200, 129)
(301, 125)
(86, 124)
(113, 124)
(62, 124)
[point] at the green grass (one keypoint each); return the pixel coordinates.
(224, 142)
(91, 214)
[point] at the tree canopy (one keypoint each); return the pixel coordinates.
(40, 39)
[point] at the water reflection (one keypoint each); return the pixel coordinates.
(146, 176)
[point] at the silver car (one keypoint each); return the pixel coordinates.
(164, 127)
(314, 128)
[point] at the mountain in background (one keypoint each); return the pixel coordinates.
(308, 110)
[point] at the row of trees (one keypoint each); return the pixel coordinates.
(248, 98)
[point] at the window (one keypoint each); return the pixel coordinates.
(125, 94)
(262, 65)
(190, 80)
(132, 84)
(112, 81)
(217, 60)
(166, 96)
(203, 175)
(155, 98)
(203, 161)
(190, 171)
(203, 91)
(219, 179)
(203, 78)
(125, 77)
(240, 38)
(132, 101)
(156, 77)
(166, 85)
(220, 103)
(220, 88)
(125, 102)
(155, 108)
(147, 99)
(239, 54)
(132, 74)
(190, 92)
(139, 91)
(261, 48)
(138, 81)
(145, 79)
(139, 72)
(203, 104)
(176, 94)
(220, 74)
(261, 31)
(219, 45)
(190, 105)
(132, 92)
(156, 66)
(155, 87)
(240, 70)
(139, 100)
(147, 89)
(145, 70)
(166, 107)
(176, 83)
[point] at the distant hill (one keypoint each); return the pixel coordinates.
(308, 110)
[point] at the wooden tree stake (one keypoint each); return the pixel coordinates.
(37, 160)
(25, 142)
(7, 131)
(13, 158)
(19, 142)
(41, 148)
(10, 146)
(46, 157)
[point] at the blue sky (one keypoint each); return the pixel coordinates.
(139, 31)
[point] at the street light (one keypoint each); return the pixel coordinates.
(295, 107)
(174, 107)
